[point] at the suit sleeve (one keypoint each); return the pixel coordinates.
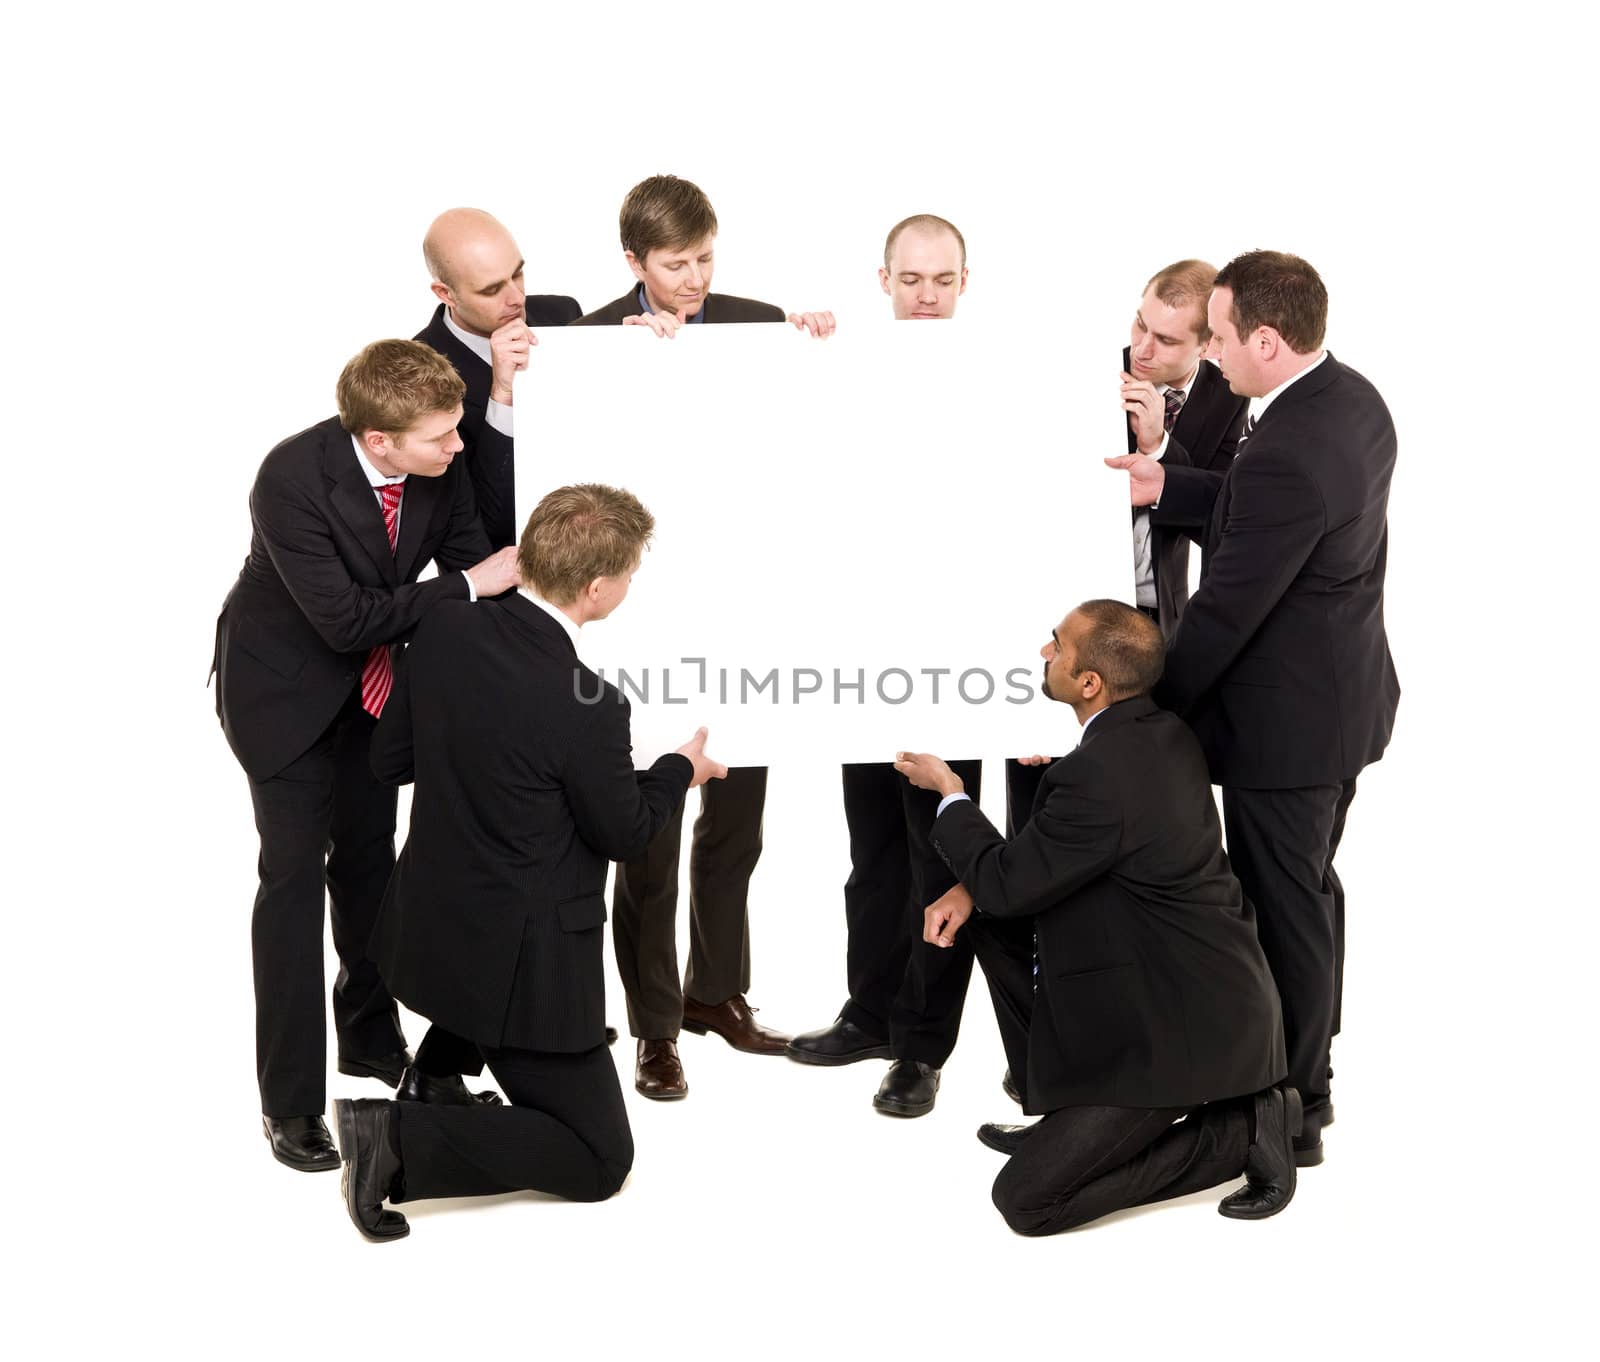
(349, 617)
(618, 810)
(1275, 519)
(1071, 840)
(391, 752)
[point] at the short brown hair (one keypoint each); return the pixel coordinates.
(1183, 282)
(1276, 289)
(926, 222)
(579, 533)
(665, 212)
(391, 384)
(1123, 645)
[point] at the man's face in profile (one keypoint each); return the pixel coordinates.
(486, 291)
(925, 275)
(1060, 656)
(1164, 345)
(676, 278)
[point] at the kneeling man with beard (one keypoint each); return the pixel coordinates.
(1133, 998)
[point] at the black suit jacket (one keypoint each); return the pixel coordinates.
(1204, 437)
(718, 307)
(487, 451)
(1152, 990)
(492, 923)
(1281, 664)
(321, 589)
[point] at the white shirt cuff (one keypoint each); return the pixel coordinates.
(950, 799)
(1160, 450)
(500, 417)
(472, 591)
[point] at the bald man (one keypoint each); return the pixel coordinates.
(906, 996)
(481, 327)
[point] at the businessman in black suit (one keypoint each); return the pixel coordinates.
(1281, 663)
(905, 997)
(669, 231)
(492, 925)
(1181, 411)
(344, 516)
(1131, 993)
(481, 327)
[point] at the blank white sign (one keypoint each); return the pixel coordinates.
(861, 543)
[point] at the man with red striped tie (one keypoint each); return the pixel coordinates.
(344, 517)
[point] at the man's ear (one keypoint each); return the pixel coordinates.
(883, 278)
(442, 293)
(634, 265)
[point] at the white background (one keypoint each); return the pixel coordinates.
(210, 210)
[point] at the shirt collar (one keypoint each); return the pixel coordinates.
(555, 612)
(1186, 387)
(479, 345)
(1258, 408)
(376, 478)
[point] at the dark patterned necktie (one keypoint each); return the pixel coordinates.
(1249, 428)
(377, 673)
(1174, 406)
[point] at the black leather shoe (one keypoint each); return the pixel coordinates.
(385, 1068)
(842, 1043)
(908, 1089)
(368, 1141)
(450, 1091)
(301, 1142)
(1006, 1139)
(1011, 1090)
(1308, 1143)
(1270, 1164)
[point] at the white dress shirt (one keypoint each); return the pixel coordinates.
(381, 480)
(499, 416)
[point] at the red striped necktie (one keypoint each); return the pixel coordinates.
(377, 674)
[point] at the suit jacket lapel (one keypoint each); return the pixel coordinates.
(356, 503)
(417, 508)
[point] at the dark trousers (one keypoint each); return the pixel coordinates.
(725, 848)
(326, 827)
(1022, 788)
(1281, 844)
(1081, 1163)
(565, 1132)
(900, 987)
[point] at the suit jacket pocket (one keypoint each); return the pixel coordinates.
(579, 914)
(286, 659)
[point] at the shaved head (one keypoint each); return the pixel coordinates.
(476, 268)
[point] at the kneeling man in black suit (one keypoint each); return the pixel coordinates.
(492, 925)
(1133, 998)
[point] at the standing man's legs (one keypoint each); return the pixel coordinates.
(324, 826)
(722, 856)
(1280, 843)
(644, 933)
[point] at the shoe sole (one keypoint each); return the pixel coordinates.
(990, 1142)
(898, 1109)
(834, 1061)
(699, 1029)
(1308, 1158)
(344, 1122)
(661, 1096)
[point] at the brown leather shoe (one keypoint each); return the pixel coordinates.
(732, 1021)
(658, 1073)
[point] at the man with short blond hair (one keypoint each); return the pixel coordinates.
(344, 517)
(493, 923)
(481, 327)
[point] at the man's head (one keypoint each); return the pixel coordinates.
(669, 233)
(1169, 330)
(476, 269)
(1103, 652)
(582, 546)
(402, 400)
(924, 268)
(1268, 312)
